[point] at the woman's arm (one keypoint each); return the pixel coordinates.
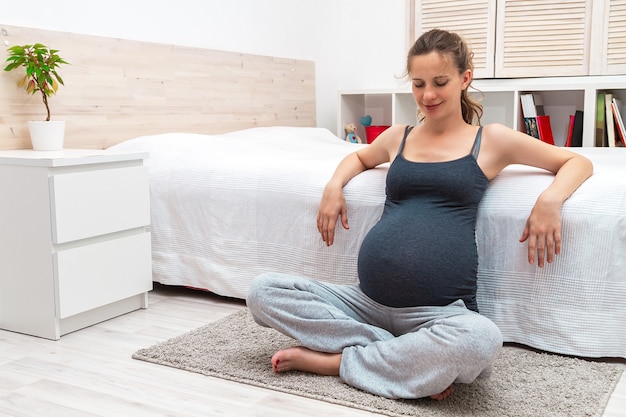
(333, 203)
(543, 227)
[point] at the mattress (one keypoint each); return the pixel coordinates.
(228, 207)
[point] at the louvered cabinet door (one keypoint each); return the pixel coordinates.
(608, 42)
(537, 38)
(473, 19)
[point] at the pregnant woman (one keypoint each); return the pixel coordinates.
(411, 327)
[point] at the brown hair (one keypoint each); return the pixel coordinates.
(452, 45)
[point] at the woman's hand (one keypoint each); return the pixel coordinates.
(332, 206)
(333, 203)
(543, 231)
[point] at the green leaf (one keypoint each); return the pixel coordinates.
(19, 50)
(40, 66)
(58, 77)
(11, 66)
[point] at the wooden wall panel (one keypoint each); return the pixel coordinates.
(118, 89)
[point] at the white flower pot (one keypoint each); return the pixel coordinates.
(47, 136)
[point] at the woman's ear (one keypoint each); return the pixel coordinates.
(467, 78)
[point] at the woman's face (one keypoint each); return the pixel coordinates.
(437, 85)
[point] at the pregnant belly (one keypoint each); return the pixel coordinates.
(410, 264)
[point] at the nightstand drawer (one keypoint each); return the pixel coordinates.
(101, 273)
(93, 203)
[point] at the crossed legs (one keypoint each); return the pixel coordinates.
(395, 353)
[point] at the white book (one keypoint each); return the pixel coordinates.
(610, 123)
(528, 105)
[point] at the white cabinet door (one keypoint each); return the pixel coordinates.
(473, 19)
(543, 38)
(608, 42)
(531, 38)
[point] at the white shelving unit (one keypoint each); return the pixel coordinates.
(562, 96)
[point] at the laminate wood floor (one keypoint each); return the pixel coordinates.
(91, 372)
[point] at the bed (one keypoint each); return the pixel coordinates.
(228, 207)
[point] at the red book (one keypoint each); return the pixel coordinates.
(621, 137)
(619, 122)
(570, 131)
(545, 129)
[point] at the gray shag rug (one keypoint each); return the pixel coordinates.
(523, 383)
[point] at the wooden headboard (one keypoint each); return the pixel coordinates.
(118, 89)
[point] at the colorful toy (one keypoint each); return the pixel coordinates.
(351, 135)
(366, 120)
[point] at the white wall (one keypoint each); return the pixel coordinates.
(356, 44)
(361, 45)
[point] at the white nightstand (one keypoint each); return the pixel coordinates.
(74, 239)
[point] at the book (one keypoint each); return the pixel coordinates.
(545, 129)
(527, 108)
(610, 120)
(537, 122)
(570, 131)
(538, 104)
(619, 121)
(577, 131)
(600, 119)
(531, 127)
(530, 115)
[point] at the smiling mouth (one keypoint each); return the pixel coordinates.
(431, 106)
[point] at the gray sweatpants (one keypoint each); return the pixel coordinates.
(410, 352)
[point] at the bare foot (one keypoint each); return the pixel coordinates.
(299, 358)
(443, 395)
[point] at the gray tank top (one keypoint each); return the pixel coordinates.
(422, 251)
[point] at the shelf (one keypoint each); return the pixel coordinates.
(500, 98)
(379, 105)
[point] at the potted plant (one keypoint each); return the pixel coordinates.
(40, 64)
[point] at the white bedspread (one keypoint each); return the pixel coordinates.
(226, 208)
(577, 305)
